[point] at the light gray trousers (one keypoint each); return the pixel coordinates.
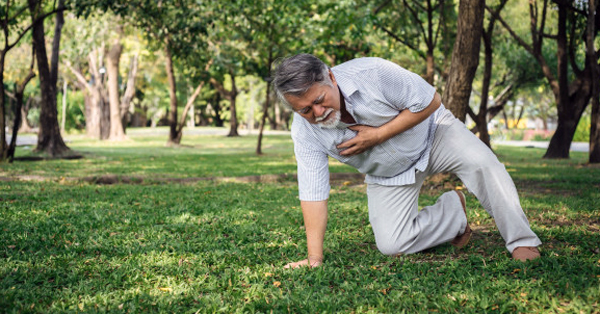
(400, 227)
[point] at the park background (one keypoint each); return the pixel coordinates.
(147, 165)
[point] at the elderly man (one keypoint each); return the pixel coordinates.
(390, 124)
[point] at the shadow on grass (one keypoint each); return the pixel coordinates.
(210, 247)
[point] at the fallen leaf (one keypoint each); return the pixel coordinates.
(277, 284)
(165, 289)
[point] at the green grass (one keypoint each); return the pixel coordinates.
(73, 246)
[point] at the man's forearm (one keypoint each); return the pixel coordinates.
(407, 119)
(315, 222)
(368, 136)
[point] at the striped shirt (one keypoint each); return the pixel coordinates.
(375, 91)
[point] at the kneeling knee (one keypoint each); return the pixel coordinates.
(391, 248)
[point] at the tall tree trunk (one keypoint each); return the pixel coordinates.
(430, 75)
(262, 122)
(481, 119)
(129, 90)
(465, 57)
(267, 105)
(112, 68)
(49, 138)
(19, 95)
(190, 104)
(560, 143)
(217, 108)
(25, 127)
(592, 60)
(172, 96)
(3, 144)
(233, 121)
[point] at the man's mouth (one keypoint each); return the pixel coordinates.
(324, 116)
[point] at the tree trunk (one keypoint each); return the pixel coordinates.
(592, 60)
(188, 106)
(233, 121)
(266, 108)
(465, 57)
(173, 140)
(568, 118)
(19, 94)
(129, 90)
(262, 122)
(112, 69)
(430, 75)
(217, 108)
(49, 138)
(3, 144)
(25, 127)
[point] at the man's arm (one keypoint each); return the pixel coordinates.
(315, 223)
(368, 137)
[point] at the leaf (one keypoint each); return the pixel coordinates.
(166, 289)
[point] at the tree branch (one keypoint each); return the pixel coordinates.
(37, 20)
(420, 53)
(519, 40)
(381, 6)
(79, 76)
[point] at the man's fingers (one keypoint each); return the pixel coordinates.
(296, 264)
(357, 127)
(346, 144)
(351, 151)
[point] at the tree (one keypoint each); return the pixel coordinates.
(97, 110)
(570, 84)
(117, 131)
(50, 140)
(173, 27)
(422, 26)
(592, 60)
(481, 118)
(12, 15)
(267, 28)
(19, 94)
(465, 57)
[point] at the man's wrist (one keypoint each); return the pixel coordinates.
(315, 258)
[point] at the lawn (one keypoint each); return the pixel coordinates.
(164, 244)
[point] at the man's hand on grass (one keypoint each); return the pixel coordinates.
(316, 262)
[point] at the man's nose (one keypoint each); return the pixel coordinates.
(319, 110)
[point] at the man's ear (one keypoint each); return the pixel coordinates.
(332, 77)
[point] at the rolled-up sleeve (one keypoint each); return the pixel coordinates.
(402, 88)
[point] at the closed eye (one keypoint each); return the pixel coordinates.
(305, 110)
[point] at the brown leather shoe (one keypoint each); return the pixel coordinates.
(462, 240)
(525, 253)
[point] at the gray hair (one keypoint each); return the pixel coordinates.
(296, 74)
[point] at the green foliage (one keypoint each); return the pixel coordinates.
(205, 247)
(75, 113)
(582, 133)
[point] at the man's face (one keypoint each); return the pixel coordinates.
(319, 105)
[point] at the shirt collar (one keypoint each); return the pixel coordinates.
(345, 83)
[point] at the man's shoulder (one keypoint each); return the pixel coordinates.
(359, 64)
(301, 129)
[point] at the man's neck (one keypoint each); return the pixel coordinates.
(346, 116)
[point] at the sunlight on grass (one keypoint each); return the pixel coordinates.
(206, 247)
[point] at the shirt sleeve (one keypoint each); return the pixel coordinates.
(404, 89)
(313, 169)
